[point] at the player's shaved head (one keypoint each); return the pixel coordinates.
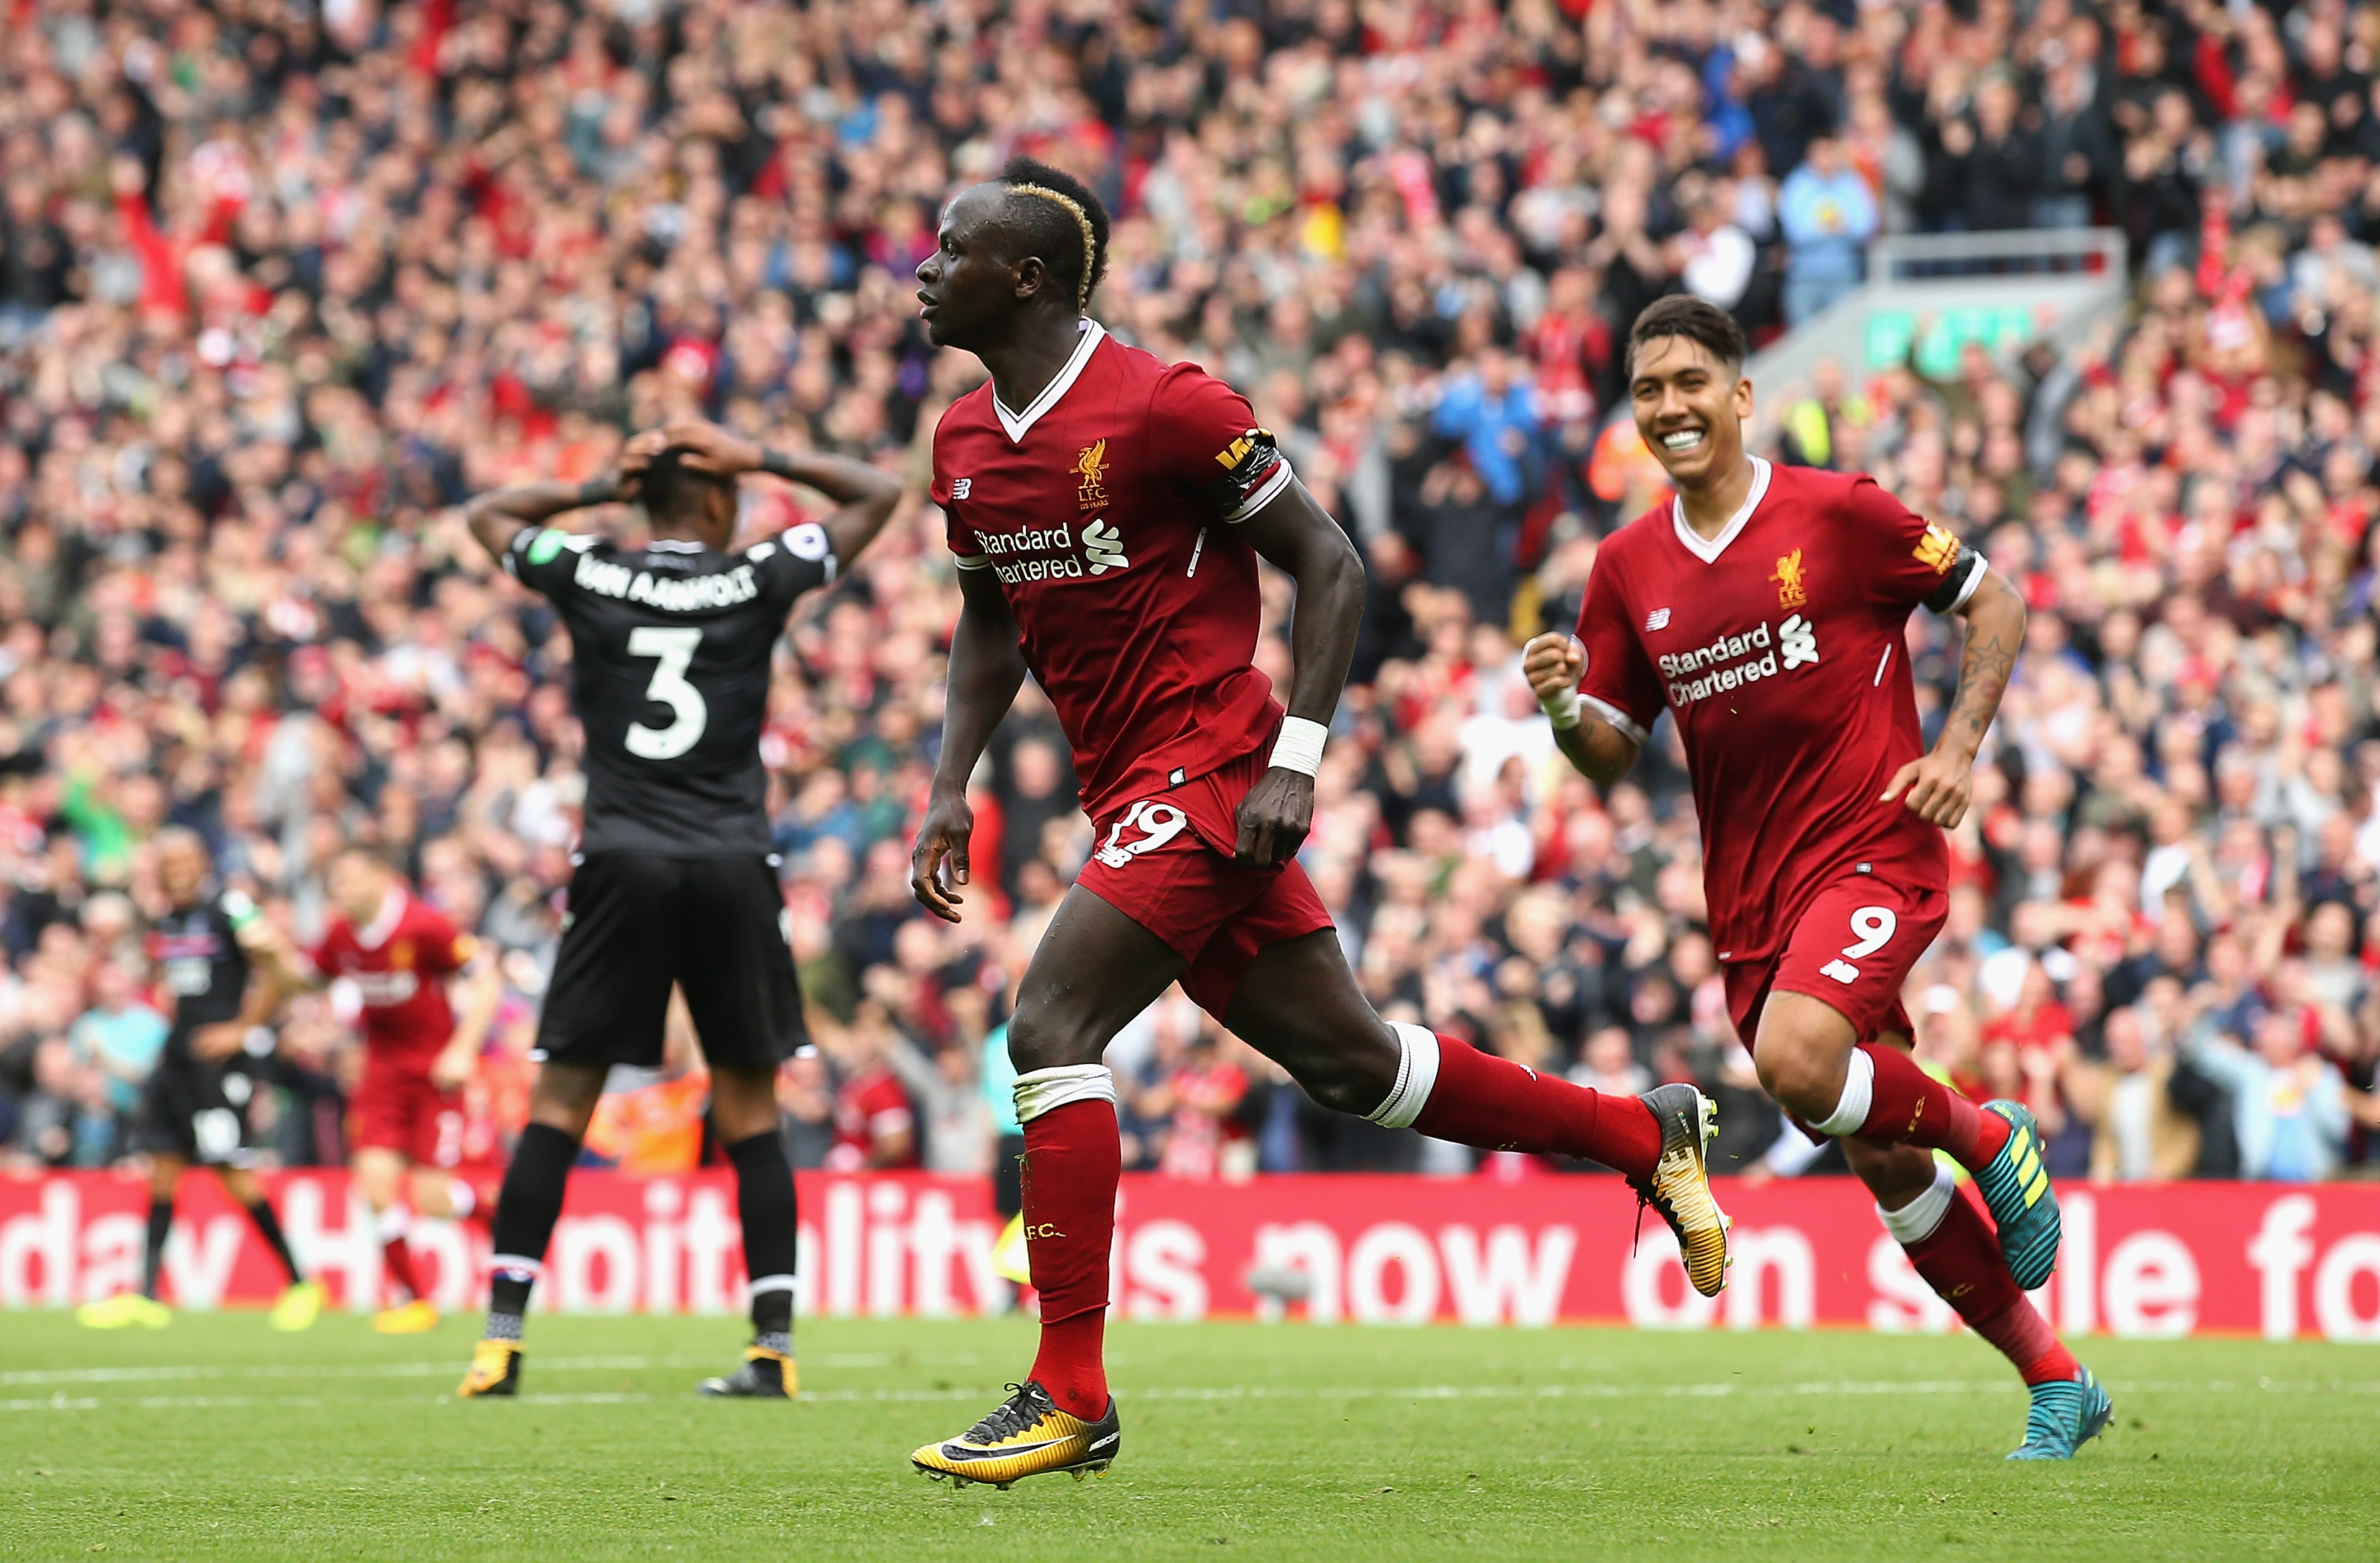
(1054, 216)
(677, 494)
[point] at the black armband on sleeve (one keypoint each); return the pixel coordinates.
(599, 491)
(774, 462)
(1959, 582)
(1254, 472)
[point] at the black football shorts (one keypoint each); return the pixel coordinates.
(639, 923)
(198, 1111)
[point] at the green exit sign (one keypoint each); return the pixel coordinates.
(1891, 332)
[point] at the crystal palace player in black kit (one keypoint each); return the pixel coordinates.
(194, 1109)
(675, 883)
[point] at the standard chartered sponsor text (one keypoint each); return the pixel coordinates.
(1732, 661)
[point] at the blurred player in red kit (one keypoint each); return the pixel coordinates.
(409, 1111)
(1765, 609)
(1108, 513)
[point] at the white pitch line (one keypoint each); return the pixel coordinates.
(334, 1370)
(62, 1402)
(433, 1370)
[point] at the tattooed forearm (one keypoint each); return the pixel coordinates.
(1995, 618)
(1595, 749)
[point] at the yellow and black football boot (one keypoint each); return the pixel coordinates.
(1680, 1187)
(495, 1370)
(765, 1376)
(1025, 1435)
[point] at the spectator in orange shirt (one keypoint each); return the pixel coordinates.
(655, 1129)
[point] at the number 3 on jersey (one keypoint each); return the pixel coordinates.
(1872, 928)
(674, 650)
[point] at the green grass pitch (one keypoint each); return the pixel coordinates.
(217, 1439)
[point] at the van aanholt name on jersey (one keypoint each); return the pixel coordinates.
(669, 594)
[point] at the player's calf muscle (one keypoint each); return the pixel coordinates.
(1349, 1067)
(1314, 1023)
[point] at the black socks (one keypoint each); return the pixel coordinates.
(268, 1227)
(764, 1201)
(161, 1224)
(526, 1211)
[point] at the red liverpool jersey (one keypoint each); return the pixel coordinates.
(400, 965)
(1778, 647)
(1107, 510)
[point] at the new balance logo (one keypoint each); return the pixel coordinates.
(959, 487)
(1797, 639)
(1103, 548)
(1657, 619)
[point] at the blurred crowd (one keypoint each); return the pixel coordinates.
(282, 284)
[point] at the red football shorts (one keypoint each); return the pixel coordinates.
(1851, 950)
(1167, 862)
(396, 1108)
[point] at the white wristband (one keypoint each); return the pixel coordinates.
(1563, 710)
(1299, 748)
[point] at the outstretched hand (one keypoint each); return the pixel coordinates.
(942, 843)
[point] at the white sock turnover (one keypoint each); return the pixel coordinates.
(1919, 1220)
(1416, 1075)
(1859, 1094)
(1044, 1091)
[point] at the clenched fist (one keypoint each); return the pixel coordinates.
(1553, 663)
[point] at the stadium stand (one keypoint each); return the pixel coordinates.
(280, 285)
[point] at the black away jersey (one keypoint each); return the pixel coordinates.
(670, 648)
(202, 972)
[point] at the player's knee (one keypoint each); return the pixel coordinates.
(1038, 1039)
(743, 1103)
(1345, 1079)
(565, 1096)
(1794, 1073)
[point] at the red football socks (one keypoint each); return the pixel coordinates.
(1960, 1260)
(1073, 1162)
(1498, 1106)
(397, 1261)
(1911, 1107)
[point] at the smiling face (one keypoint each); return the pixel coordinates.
(969, 288)
(1689, 407)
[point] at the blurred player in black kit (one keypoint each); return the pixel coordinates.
(218, 1055)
